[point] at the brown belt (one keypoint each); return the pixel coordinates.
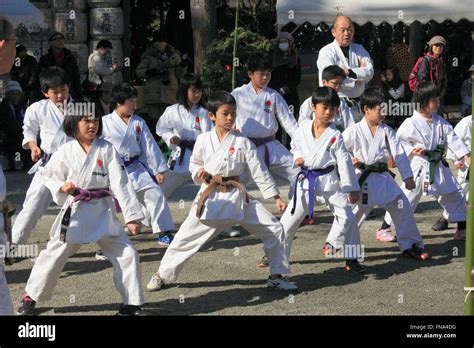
(220, 184)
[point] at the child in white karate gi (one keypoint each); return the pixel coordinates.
(44, 119)
(425, 136)
(333, 76)
(142, 157)
(372, 144)
(219, 158)
(179, 127)
(464, 131)
(259, 110)
(326, 171)
(83, 176)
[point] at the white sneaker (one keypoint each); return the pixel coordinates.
(230, 232)
(281, 284)
(155, 283)
(99, 255)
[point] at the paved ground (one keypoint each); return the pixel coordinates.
(223, 278)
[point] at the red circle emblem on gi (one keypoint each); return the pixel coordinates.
(231, 150)
(333, 140)
(268, 103)
(138, 129)
(197, 119)
(99, 163)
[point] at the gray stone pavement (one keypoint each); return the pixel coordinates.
(223, 278)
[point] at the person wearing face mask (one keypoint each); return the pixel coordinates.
(286, 73)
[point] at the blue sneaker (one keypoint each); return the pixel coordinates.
(165, 240)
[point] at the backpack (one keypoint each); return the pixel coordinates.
(412, 78)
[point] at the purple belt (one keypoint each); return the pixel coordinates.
(185, 144)
(83, 195)
(310, 175)
(135, 159)
(264, 141)
(86, 195)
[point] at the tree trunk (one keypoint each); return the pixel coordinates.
(204, 23)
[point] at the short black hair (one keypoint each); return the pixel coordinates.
(333, 71)
(258, 62)
(187, 81)
(76, 111)
(326, 96)
(120, 93)
(6, 28)
(424, 92)
(372, 97)
(219, 98)
(52, 77)
(104, 44)
(20, 48)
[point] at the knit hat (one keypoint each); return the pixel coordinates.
(12, 86)
(285, 35)
(437, 40)
(55, 35)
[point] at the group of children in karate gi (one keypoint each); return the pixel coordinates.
(96, 167)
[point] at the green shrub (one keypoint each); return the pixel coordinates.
(217, 72)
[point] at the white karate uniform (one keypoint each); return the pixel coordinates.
(135, 139)
(342, 119)
(328, 150)
(90, 221)
(257, 117)
(224, 209)
(380, 189)
(464, 131)
(332, 54)
(42, 118)
(415, 132)
(6, 305)
(187, 125)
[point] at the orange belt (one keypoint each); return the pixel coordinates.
(220, 184)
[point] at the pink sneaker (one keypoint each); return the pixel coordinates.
(384, 235)
(459, 235)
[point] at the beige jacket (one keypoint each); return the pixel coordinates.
(169, 68)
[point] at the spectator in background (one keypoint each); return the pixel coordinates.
(23, 70)
(432, 68)
(12, 112)
(102, 100)
(393, 85)
(100, 66)
(286, 73)
(162, 68)
(7, 57)
(466, 95)
(58, 55)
